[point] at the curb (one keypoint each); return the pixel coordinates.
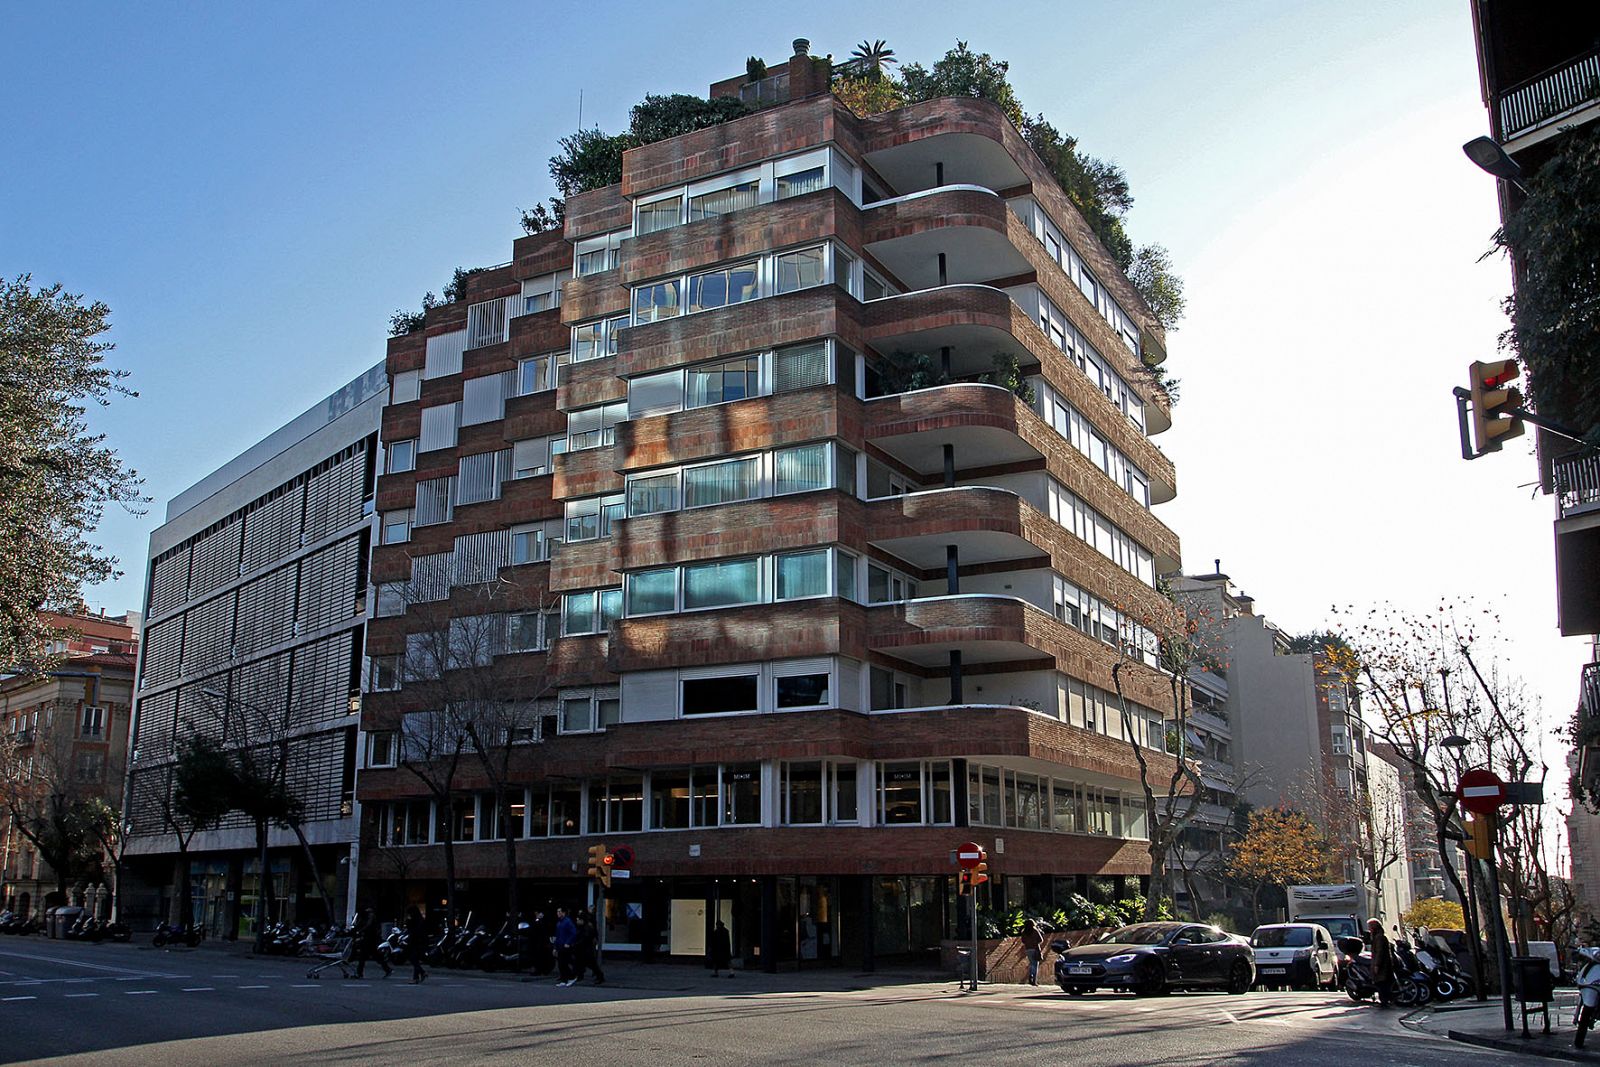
(1526, 1048)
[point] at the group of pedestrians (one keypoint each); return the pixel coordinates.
(577, 941)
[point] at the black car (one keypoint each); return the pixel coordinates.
(1151, 958)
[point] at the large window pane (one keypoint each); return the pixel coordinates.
(722, 201)
(721, 383)
(844, 792)
(900, 793)
(800, 367)
(801, 469)
(802, 574)
(711, 696)
(806, 181)
(669, 800)
(651, 303)
(656, 493)
(802, 793)
(803, 691)
(655, 393)
(719, 288)
(724, 582)
(652, 592)
(800, 270)
(660, 215)
(741, 794)
(721, 483)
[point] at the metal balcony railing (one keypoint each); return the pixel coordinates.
(1589, 690)
(1546, 97)
(1576, 481)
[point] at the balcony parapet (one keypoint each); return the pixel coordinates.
(1547, 98)
(1576, 481)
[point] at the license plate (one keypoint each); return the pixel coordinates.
(1080, 970)
(1274, 970)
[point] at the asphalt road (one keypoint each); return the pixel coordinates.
(133, 1005)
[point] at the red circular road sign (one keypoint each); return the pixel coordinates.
(621, 858)
(969, 854)
(1481, 791)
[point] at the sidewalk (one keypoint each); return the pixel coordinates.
(1472, 1023)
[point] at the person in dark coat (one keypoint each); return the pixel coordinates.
(721, 951)
(1033, 947)
(1382, 959)
(588, 949)
(416, 942)
(565, 941)
(365, 943)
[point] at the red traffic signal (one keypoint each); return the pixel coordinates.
(1492, 418)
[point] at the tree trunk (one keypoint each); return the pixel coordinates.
(316, 875)
(1159, 879)
(178, 914)
(512, 904)
(263, 885)
(449, 838)
(1255, 903)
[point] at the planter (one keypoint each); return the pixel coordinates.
(1001, 959)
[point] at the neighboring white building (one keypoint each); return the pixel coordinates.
(1389, 829)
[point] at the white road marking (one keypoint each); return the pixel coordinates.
(71, 995)
(306, 985)
(89, 966)
(200, 989)
(139, 992)
(253, 987)
(19, 998)
(224, 976)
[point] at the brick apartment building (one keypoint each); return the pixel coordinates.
(785, 627)
(69, 727)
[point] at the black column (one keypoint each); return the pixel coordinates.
(938, 174)
(949, 466)
(868, 924)
(958, 791)
(952, 570)
(944, 362)
(769, 923)
(943, 275)
(955, 678)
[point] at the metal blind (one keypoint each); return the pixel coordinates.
(216, 559)
(328, 585)
(208, 634)
(322, 680)
(489, 322)
(157, 716)
(261, 692)
(484, 399)
(169, 580)
(334, 496)
(800, 367)
(147, 792)
(163, 645)
(272, 528)
(430, 577)
(478, 557)
(481, 475)
(444, 354)
(439, 427)
(435, 500)
(266, 612)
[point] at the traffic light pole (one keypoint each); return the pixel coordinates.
(1464, 418)
(1497, 922)
(974, 890)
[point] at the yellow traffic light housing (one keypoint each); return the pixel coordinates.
(1480, 838)
(1492, 421)
(962, 879)
(980, 874)
(600, 862)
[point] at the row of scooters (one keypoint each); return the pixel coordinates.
(1425, 969)
(285, 939)
(513, 947)
(13, 923)
(87, 929)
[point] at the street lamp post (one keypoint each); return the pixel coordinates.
(1487, 154)
(1456, 743)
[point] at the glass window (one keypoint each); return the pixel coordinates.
(669, 800)
(402, 456)
(595, 427)
(844, 566)
(406, 387)
(608, 711)
(736, 198)
(900, 793)
(591, 612)
(800, 183)
(660, 215)
(652, 303)
(653, 493)
(588, 341)
(802, 574)
(703, 796)
(741, 794)
(719, 288)
(711, 696)
(396, 526)
(723, 382)
(537, 374)
(802, 793)
(844, 469)
(721, 583)
(577, 715)
(803, 691)
(652, 394)
(801, 469)
(800, 367)
(721, 483)
(524, 634)
(614, 328)
(873, 287)
(653, 592)
(800, 269)
(844, 792)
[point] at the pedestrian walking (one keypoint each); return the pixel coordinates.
(721, 951)
(566, 942)
(588, 949)
(364, 935)
(1033, 947)
(1382, 960)
(416, 942)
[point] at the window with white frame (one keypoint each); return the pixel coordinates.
(439, 425)
(803, 468)
(542, 293)
(532, 631)
(489, 321)
(730, 379)
(799, 575)
(435, 501)
(595, 427)
(94, 721)
(724, 201)
(594, 340)
(531, 458)
(728, 691)
(658, 301)
(590, 612)
(397, 526)
(381, 748)
(591, 517)
(532, 543)
(660, 214)
(480, 476)
(595, 254)
(400, 456)
(779, 179)
(804, 268)
(384, 673)
(538, 374)
(915, 793)
(405, 387)
(732, 284)
(783, 272)
(483, 399)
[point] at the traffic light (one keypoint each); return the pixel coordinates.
(600, 865)
(980, 874)
(1480, 838)
(962, 882)
(1492, 422)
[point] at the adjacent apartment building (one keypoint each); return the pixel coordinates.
(669, 535)
(63, 740)
(1299, 741)
(255, 605)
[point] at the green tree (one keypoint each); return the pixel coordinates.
(963, 72)
(589, 159)
(871, 60)
(1153, 275)
(56, 476)
(1554, 242)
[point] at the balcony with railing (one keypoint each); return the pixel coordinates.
(1589, 691)
(1576, 481)
(1549, 97)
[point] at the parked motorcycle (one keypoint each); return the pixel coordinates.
(1588, 983)
(1413, 982)
(1449, 981)
(173, 934)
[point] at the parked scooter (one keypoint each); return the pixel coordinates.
(173, 934)
(1358, 981)
(1413, 982)
(1588, 983)
(1449, 982)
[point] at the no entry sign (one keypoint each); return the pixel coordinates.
(1481, 791)
(969, 854)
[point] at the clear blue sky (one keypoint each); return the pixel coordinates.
(253, 189)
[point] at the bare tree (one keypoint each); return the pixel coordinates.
(48, 802)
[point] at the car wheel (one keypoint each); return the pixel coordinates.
(1151, 980)
(1239, 978)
